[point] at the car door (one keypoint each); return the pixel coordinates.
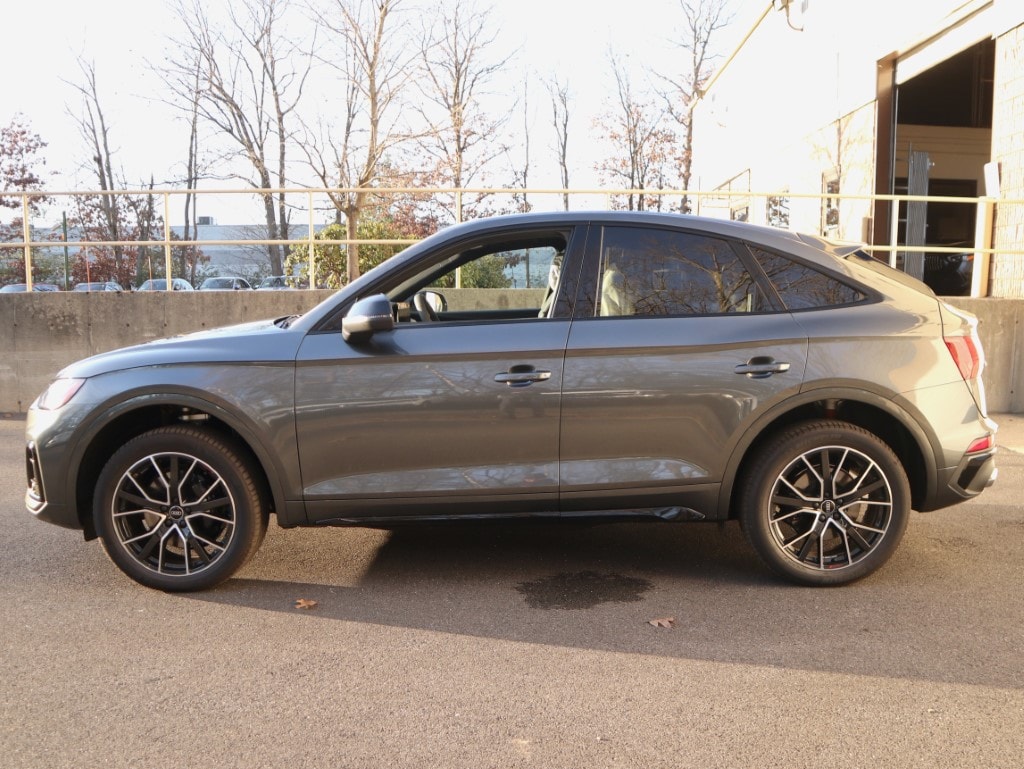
(448, 417)
(676, 346)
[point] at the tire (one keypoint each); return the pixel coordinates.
(178, 509)
(825, 503)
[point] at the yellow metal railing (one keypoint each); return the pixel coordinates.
(316, 199)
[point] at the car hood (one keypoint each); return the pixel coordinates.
(260, 341)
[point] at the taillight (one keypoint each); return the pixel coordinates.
(981, 444)
(965, 355)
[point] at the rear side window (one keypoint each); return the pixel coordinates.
(652, 272)
(802, 287)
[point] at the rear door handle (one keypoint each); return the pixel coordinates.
(762, 367)
(521, 376)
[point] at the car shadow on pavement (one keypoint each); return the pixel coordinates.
(599, 587)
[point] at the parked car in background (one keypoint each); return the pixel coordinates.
(159, 284)
(109, 285)
(225, 284)
(949, 274)
(274, 283)
(12, 288)
(653, 366)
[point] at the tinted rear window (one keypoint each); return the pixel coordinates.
(651, 272)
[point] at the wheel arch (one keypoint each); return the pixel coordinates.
(143, 413)
(886, 417)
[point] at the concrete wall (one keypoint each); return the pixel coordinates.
(45, 332)
(1001, 328)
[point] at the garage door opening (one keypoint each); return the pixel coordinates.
(941, 139)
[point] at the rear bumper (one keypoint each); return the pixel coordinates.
(975, 474)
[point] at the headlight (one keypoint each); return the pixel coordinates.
(58, 393)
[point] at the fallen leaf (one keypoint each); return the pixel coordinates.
(662, 622)
(304, 603)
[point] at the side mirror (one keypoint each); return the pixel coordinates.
(436, 300)
(367, 317)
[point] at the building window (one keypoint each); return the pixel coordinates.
(778, 211)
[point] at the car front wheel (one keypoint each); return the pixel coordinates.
(177, 509)
(825, 503)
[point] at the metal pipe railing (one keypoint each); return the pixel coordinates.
(707, 200)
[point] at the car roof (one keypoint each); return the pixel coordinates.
(723, 227)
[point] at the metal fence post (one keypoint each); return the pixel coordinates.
(167, 241)
(26, 235)
(458, 220)
(894, 232)
(312, 250)
(982, 242)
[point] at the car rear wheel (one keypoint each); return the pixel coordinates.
(825, 503)
(177, 509)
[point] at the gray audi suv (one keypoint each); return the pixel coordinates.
(587, 366)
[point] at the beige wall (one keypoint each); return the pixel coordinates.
(773, 114)
(955, 153)
(1007, 271)
(786, 86)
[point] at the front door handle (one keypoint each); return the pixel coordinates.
(521, 376)
(761, 367)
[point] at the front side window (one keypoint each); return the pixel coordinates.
(652, 272)
(510, 269)
(510, 278)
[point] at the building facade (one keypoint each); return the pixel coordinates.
(829, 104)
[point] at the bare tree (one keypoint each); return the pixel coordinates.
(95, 132)
(643, 148)
(702, 18)
(520, 170)
(462, 135)
(252, 79)
(375, 64)
(186, 87)
(189, 255)
(108, 215)
(559, 93)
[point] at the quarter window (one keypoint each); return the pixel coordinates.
(649, 272)
(800, 286)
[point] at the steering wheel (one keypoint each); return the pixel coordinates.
(426, 312)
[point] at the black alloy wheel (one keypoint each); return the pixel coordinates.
(825, 503)
(177, 509)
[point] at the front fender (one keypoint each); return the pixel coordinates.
(254, 401)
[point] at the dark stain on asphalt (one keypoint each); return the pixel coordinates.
(582, 590)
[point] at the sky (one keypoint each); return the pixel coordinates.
(126, 40)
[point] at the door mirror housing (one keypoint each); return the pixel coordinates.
(368, 316)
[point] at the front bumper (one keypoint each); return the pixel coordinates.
(36, 501)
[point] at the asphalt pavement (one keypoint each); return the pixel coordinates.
(518, 646)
